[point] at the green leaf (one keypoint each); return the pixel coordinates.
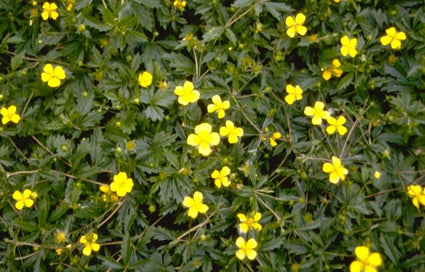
(242, 3)
(345, 81)
(213, 33)
(17, 60)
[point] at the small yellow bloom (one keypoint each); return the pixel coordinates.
(366, 262)
(231, 131)
(335, 170)
(9, 114)
(334, 71)
(203, 138)
(186, 93)
(393, 37)
(377, 175)
(52, 75)
(246, 249)
(195, 204)
(145, 79)
(275, 136)
(220, 177)
(130, 145)
(336, 125)
(295, 25)
(218, 106)
(249, 222)
(294, 93)
(417, 194)
(108, 195)
(348, 47)
(23, 199)
(89, 241)
(60, 236)
(49, 10)
(179, 4)
(121, 184)
(317, 112)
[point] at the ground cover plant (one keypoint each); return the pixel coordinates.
(208, 135)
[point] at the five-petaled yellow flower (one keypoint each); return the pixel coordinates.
(108, 195)
(186, 93)
(179, 4)
(335, 170)
(249, 222)
(24, 199)
(417, 194)
(336, 125)
(393, 37)
(218, 106)
(203, 138)
(366, 262)
(246, 248)
(49, 10)
(348, 47)
(195, 204)
(9, 114)
(334, 71)
(295, 25)
(145, 79)
(52, 75)
(221, 177)
(294, 93)
(231, 131)
(89, 241)
(122, 184)
(317, 112)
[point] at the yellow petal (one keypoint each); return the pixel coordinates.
(326, 75)
(15, 118)
(345, 41)
(240, 254)
(330, 130)
(95, 247)
(333, 178)
(251, 244)
(17, 195)
(391, 31)
(178, 90)
(342, 130)
(362, 252)
(251, 254)
(344, 51)
(193, 212)
(327, 167)
(241, 217)
(291, 32)
(225, 171)
(240, 242)
(203, 208)
(216, 99)
(309, 111)
(400, 36)
(83, 239)
(300, 18)
(48, 68)
(188, 202)
(54, 82)
(215, 138)
(375, 259)
(290, 99)
(356, 266)
(87, 251)
(385, 40)
(204, 149)
(28, 202)
(193, 140)
(19, 205)
(243, 227)
(369, 268)
(301, 30)
(211, 108)
(289, 21)
(395, 44)
(188, 86)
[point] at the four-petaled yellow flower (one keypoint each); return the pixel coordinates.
(231, 131)
(334, 71)
(203, 138)
(89, 241)
(145, 79)
(108, 195)
(295, 25)
(249, 222)
(186, 93)
(366, 262)
(220, 177)
(52, 75)
(218, 106)
(317, 112)
(246, 248)
(122, 184)
(336, 125)
(195, 204)
(179, 4)
(9, 114)
(417, 194)
(294, 93)
(335, 170)
(23, 199)
(393, 37)
(49, 10)
(348, 47)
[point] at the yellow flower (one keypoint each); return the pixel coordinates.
(218, 106)
(179, 4)
(246, 249)
(23, 199)
(121, 184)
(393, 37)
(417, 194)
(70, 4)
(249, 222)
(231, 131)
(348, 46)
(203, 138)
(49, 10)
(130, 145)
(89, 241)
(377, 175)
(195, 204)
(335, 71)
(295, 25)
(186, 93)
(60, 236)
(220, 177)
(9, 114)
(145, 79)
(317, 112)
(52, 75)
(335, 170)
(336, 125)
(108, 195)
(366, 262)
(294, 93)
(275, 136)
